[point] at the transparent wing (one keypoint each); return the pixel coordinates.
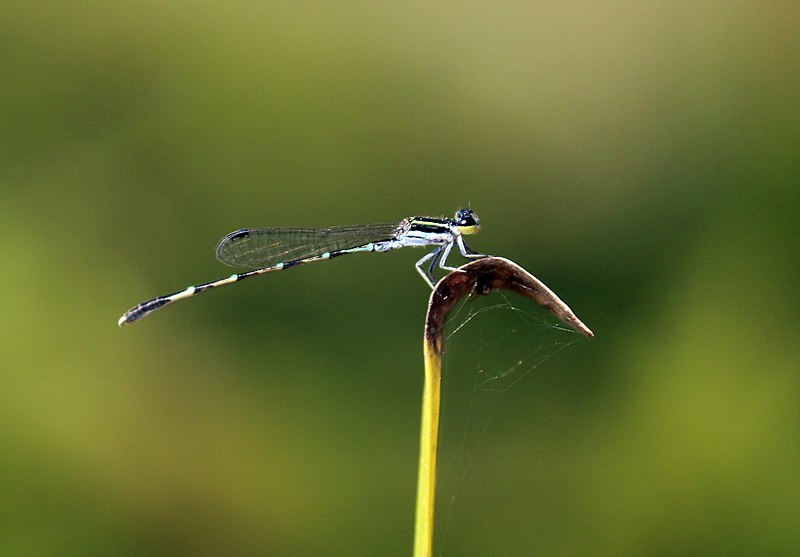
(262, 247)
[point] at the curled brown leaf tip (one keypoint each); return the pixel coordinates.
(481, 276)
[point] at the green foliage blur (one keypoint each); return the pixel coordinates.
(642, 159)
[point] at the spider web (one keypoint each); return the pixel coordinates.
(492, 344)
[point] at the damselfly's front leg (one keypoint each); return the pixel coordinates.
(465, 250)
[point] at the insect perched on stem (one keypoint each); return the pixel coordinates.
(274, 249)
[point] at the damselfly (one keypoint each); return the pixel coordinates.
(273, 249)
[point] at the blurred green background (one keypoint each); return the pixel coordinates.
(639, 158)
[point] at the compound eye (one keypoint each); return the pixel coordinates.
(465, 217)
(467, 221)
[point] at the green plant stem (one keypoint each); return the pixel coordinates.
(429, 435)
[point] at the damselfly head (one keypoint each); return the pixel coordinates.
(467, 221)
